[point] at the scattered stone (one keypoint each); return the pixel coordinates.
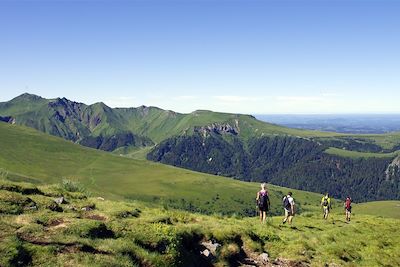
(263, 258)
(89, 207)
(212, 247)
(206, 253)
(60, 200)
(34, 207)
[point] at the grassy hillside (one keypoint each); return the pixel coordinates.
(35, 231)
(26, 154)
(386, 141)
(356, 154)
(389, 209)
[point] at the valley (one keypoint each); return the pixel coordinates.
(233, 145)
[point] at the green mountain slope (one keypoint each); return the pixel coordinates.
(26, 154)
(96, 125)
(84, 123)
(234, 145)
(79, 122)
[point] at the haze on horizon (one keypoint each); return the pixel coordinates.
(256, 57)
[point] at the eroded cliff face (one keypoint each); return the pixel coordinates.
(393, 168)
(218, 128)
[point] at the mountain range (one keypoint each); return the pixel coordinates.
(234, 145)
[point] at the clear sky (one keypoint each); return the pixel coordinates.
(299, 56)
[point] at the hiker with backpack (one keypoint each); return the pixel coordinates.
(347, 208)
(263, 203)
(326, 205)
(288, 205)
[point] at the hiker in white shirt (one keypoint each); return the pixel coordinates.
(288, 204)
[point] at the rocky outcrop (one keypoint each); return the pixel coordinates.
(218, 128)
(392, 168)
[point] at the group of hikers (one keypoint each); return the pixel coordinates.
(263, 204)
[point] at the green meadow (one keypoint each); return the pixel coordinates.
(34, 231)
(356, 154)
(389, 209)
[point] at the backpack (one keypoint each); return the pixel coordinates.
(325, 202)
(348, 203)
(263, 200)
(286, 203)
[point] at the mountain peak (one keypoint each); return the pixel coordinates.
(100, 104)
(27, 96)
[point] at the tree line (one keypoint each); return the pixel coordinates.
(282, 160)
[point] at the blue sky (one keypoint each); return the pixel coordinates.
(299, 56)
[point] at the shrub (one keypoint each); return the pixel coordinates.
(72, 186)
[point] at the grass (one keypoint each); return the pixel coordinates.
(133, 152)
(356, 154)
(390, 209)
(29, 155)
(386, 141)
(118, 233)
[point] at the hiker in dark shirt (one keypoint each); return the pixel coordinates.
(347, 208)
(263, 202)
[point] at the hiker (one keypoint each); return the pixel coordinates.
(262, 200)
(347, 208)
(288, 204)
(326, 205)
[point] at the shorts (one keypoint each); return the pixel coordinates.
(288, 213)
(348, 210)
